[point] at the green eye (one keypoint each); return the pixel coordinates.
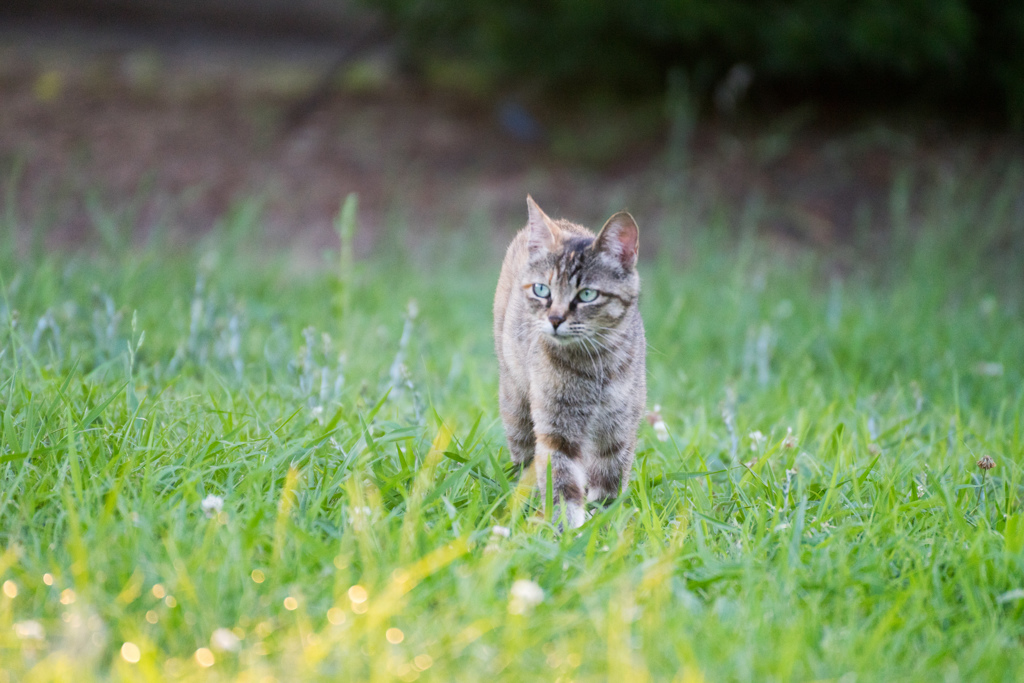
(587, 295)
(543, 291)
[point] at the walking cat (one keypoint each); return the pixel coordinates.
(571, 355)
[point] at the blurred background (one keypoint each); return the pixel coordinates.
(804, 120)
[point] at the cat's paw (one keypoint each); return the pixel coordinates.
(575, 515)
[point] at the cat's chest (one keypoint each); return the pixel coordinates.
(584, 392)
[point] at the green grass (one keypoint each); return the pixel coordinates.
(874, 547)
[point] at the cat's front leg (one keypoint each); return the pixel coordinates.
(515, 415)
(568, 475)
(608, 472)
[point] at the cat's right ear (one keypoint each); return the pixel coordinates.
(620, 239)
(544, 234)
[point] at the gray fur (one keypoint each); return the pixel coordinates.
(574, 393)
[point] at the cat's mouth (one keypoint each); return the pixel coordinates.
(562, 337)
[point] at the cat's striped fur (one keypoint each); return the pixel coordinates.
(572, 373)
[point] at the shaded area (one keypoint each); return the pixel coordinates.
(308, 19)
(175, 128)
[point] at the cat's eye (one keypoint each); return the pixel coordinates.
(542, 290)
(587, 295)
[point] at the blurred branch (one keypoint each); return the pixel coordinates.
(320, 93)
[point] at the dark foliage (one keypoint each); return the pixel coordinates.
(966, 51)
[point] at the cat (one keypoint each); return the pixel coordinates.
(572, 356)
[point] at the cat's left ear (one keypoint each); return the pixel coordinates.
(620, 239)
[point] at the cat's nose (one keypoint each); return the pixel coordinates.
(556, 320)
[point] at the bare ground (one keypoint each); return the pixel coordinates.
(176, 132)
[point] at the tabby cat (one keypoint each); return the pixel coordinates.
(571, 356)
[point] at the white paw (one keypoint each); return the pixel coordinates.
(575, 515)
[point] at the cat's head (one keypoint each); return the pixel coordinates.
(579, 287)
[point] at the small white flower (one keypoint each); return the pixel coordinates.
(661, 430)
(790, 440)
(497, 533)
(225, 640)
(921, 490)
(756, 439)
(528, 591)
(525, 595)
(29, 630)
(658, 423)
(212, 505)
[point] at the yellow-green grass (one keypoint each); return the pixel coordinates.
(196, 483)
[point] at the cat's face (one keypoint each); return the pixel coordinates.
(578, 288)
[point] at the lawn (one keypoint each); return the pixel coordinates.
(223, 461)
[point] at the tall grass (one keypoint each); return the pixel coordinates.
(208, 471)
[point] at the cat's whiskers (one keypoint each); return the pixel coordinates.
(618, 338)
(586, 342)
(611, 335)
(618, 361)
(604, 342)
(602, 353)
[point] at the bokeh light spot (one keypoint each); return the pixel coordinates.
(204, 657)
(130, 653)
(357, 594)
